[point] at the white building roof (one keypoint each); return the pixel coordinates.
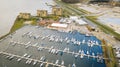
(81, 22)
(73, 18)
(59, 25)
(118, 56)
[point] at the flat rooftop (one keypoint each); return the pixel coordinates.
(72, 48)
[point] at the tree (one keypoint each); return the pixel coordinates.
(71, 1)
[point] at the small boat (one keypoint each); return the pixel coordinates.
(56, 52)
(19, 59)
(87, 35)
(35, 44)
(93, 55)
(43, 38)
(62, 63)
(42, 58)
(97, 43)
(7, 56)
(82, 54)
(83, 41)
(79, 43)
(79, 51)
(56, 61)
(25, 55)
(76, 55)
(29, 56)
(87, 52)
(29, 61)
(10, 58)
(41, 65)
(74, 65)
(35, 62)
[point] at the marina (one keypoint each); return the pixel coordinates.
(62, 49)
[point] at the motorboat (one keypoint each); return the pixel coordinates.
(25, 55)
(56, 61)
(62, 63)
(35, 62)
(74, 65)
(19, 59)
(41, 65)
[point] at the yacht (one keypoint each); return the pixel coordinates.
(68, 41)
(66, 38)
(26, 46)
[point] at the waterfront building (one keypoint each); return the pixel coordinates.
(57, 11)
(24, 15)
(42, 13)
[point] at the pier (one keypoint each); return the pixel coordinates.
(47, 63)
(64, 51)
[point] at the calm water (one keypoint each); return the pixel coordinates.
(9, 9)
(68, 59)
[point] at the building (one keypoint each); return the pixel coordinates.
(24, 15)
(57, 11)
(59, 25)
(42, 13)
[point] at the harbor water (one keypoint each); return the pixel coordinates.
(68, 44)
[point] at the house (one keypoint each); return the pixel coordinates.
(42, 13)
(24, 15)
(57, 11)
